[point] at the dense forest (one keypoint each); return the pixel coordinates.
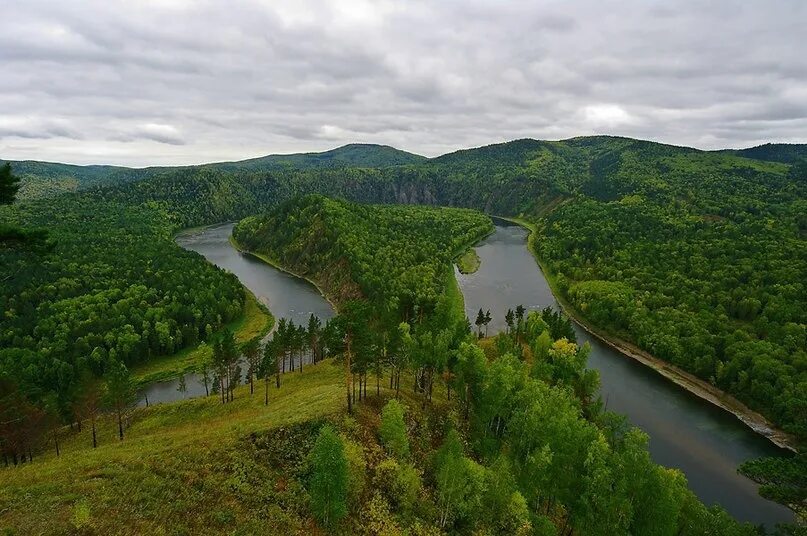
(398, 256)
(89, 284)
(527, 448)
(697, 257)
(643, 229)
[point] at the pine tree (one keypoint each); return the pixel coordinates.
(9, 185)
(120, 391)
(480, 320)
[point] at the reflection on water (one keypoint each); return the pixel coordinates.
(703, 441)
(285, 295)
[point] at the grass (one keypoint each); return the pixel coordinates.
(454, 294)
(255, 321)
(469, 262)
(184, 468)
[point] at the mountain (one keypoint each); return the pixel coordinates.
(787, 153)
(45, 179)
(351, 155)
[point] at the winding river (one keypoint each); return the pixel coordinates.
(703, 441)
(686, 432)
(285, 295)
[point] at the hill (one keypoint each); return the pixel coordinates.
(351, 155)
(45, 179)
(787, 153)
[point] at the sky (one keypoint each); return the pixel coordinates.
(152, 82)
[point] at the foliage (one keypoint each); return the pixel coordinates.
(393, 430)
(329, 480)
(9, 184)
(113, 287)
(398, 256)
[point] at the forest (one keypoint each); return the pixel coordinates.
(99, 284)
(399, 257)
(697, 257)
(527, 446)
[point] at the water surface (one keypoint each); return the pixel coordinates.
(686, 432)
(284, 294)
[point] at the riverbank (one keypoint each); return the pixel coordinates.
(691, 383)
(256, 321)
(275, 264)
(468, 263)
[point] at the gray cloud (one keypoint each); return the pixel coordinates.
(181, 81)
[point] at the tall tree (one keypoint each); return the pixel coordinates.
(120, 395)
(480, 320)
(509, 319)
(329, 478)
(252, 352)
(393, 429)
(9, 185)
(269, 365)
(301, 339)
(314, 333)
(519, 321)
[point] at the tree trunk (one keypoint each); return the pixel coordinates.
(301, 362)
(56, 441)
(94, 438)
(147, 404)
(251, 384)
(120, 425)
(266, 393)
(348, 378)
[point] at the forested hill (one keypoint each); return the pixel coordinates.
(788, 153)
(397, 256)
(352, 155)
(45, 179)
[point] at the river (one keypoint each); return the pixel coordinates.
(686, 432)
(285, 295)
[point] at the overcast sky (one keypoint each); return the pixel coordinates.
(177, 82)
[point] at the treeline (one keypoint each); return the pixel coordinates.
(517, 442)
(88, 285)
(399, 257)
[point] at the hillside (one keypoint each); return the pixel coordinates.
(696, 257)
(351, 155)
(397, 256)
(787, 153)
(45, 179)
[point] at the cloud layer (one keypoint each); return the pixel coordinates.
(177, 82)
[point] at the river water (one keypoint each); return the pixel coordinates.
(285, 295)
(703, 441)
(686, 432)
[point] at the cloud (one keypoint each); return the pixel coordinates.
(177, 82)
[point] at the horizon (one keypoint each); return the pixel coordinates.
(348, 144)
(226, 82)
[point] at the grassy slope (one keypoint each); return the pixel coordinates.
(255, 322)
(182, 468)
